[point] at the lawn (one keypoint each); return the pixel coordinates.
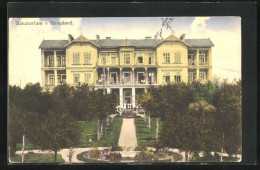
(144, 134)
(89, 131)
(38, 158)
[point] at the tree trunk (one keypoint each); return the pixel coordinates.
(55, 155)
(222, 149)
(101, 129)
(149, 122)
(157, 128)
(186, 156)
(98, 130)
(23, 148)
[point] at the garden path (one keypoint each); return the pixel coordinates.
(127, 138)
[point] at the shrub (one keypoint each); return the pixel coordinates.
(161, 154)
(144, 156)
(114, 156)
(95, 153)
(116, 148)
(142, 146)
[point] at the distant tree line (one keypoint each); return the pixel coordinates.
(197, 116)
(49, 118)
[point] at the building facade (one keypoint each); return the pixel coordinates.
(125, 67)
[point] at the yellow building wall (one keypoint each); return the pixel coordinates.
(81, 49)
(145, 55)
(108, 58)
(172, 47)
(81, 68)
(172, 68)
(124, 50)
(81, 72)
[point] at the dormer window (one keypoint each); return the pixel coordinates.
(140, 59)
(127, 58)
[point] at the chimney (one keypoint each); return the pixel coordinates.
(156, 37)
(182, 37)
(70, 38)
(108, 38)
(97, 37)
(148, 38)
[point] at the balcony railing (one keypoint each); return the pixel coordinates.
(61, 65)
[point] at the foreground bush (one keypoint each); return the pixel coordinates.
(95, 153)
(114, 157)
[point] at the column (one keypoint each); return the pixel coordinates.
(108, 90)
(42, 59)
(121, 75)
(43, 78)
(197, 57)
(55, 78)
(197, 74)
(133, 75)
(209, 57)
(146, 76)
(121, 97)
(209, 73)
(133, 97)
(55, 58)
(108, 76)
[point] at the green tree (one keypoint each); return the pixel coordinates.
(56, 131)
(62, 98)
(230, 116)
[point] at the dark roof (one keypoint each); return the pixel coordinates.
(110, 43)
(114, 43)
(199, 42)
(53, 44)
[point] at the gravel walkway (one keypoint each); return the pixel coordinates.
(127, 138)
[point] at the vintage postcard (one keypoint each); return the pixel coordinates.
(124, 90)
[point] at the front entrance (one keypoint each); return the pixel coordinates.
(127, 98)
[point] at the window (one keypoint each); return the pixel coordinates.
(61, 79)
(177, 57)
(127, 77)
(51, 80)
(202, 59)
(87, 58)
(177, 77)
(151, 78)
(51, 61)
(166, 57)
(191, 59)
(190, 77)
(140, 60)
(166, 77)
(202, 76)
(58, 61)
(76, 58)
(87, 77)
(76, 77)
(103, 58)
(63, 61)
(151, 58)
(127, 58)
(113, 58)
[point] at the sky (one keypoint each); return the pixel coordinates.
(24, 55)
